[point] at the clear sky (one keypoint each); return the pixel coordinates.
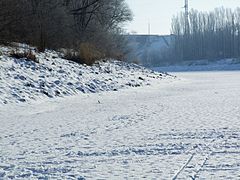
(159, 12)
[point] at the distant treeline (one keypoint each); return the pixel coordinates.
(94, 24)
(209, 35)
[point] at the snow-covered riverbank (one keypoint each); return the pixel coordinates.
(22, 80)
(171, 130)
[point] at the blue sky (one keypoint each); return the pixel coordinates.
(159, 12)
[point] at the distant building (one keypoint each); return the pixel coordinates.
(149, 50)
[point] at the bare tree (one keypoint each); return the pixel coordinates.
(65, 23)
(212, 35)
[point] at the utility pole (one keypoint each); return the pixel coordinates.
(186, 18)
(148, 45)
(149, 28)
(185, 49)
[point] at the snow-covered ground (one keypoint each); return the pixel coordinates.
(203, 65)
(22, 80)
(175, 129)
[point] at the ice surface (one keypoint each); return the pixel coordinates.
(174, 129)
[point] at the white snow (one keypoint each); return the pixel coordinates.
(203, 65)
(22, 80)
(175, 129)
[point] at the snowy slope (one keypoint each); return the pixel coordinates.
(22, 80)
(188, 129)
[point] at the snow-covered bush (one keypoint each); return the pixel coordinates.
(27, 54)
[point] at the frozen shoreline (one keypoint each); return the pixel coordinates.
(202, 65)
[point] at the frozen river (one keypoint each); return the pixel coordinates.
(184, 129)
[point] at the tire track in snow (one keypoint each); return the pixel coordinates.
(183, 167)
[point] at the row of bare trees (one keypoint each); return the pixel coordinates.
(211, 35)
(65, 23)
